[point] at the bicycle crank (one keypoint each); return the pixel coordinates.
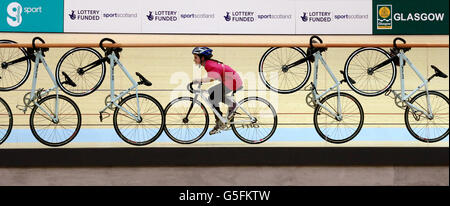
(310, 101)
(111, 104)
(29, 102)
(399, 102)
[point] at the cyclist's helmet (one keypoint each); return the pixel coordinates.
(202, 51)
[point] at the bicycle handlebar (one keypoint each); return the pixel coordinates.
(103, 40)
(395, 41)
(312, 38)
(34, 40)
(190, 89)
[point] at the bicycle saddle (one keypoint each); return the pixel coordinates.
(143, 80)
(438, 72)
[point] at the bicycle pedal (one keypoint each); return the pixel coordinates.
(101, 116)
(22, 108)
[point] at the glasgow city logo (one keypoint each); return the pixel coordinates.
(384, 16)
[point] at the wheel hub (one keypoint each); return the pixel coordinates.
(80, 71)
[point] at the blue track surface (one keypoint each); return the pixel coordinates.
(281, 135)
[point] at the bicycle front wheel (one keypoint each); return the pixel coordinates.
(57, 132)
(13, 75)
(144, 130)
(368, 83)
(426, 129)
(281, 80)
(181, 127)
(6, 121)
(87, 79)
(255, 120)
(338, 130)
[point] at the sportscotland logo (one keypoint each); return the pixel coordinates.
(384, 16)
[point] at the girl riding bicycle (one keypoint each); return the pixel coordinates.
(230, 81)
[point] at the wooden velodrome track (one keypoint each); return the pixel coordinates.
(170, 69)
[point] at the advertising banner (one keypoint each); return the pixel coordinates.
(256, 17)
(102, 16)
(193, 16)
(31, 15)
(334, 17)
(410, 17)
(226, 17)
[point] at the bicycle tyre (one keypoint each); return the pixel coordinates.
(360, 74)
(5, 111)
(146, 111)
(73, 59)
(320, 111)
(444, 108)
(4, 72)
(35, 122)
(174, 117)
(272, 126)
(267, 62)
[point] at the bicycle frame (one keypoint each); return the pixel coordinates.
(318, 57)
(40, 58)
(222, 119)
(112, 60)
(405, 97)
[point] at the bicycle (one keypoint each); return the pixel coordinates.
(55, 119)
(426, 114)
(6, 124)
(254, 120)
(338, 117)
(133, 113)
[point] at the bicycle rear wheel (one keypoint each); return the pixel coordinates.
(148, 128)
(262, 127)
(13, 75)
(86, 82)
(425, 129)
(358, 65)
(271, 69)
(58, 133)
(339, 131)
(186, 130)
(6, 121)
